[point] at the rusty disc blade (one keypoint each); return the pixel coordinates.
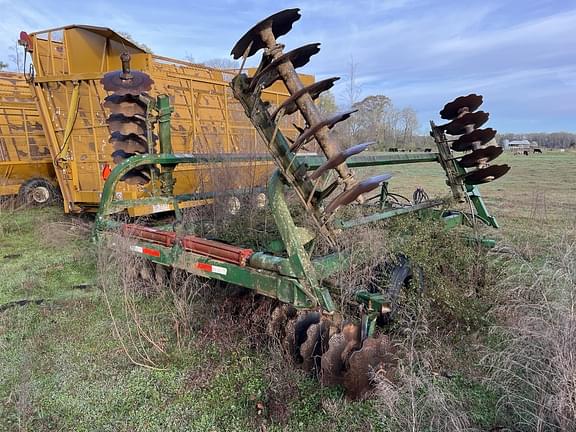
(474, 119)
(135, 177)
(351, 194)
(129, 143)
(485, 175)
(310, 347)
(138, 83)
(289, 342)
(452, 109)
(301, 329)
(375, 354)
(341, 157)
(120, 156)
(481, 156)
(278, 319)
(332, 366)
(314, 90)
(298, 57)
(127, 105)
(280, 22)
(329, 123)
(479, 136)
(126, 125)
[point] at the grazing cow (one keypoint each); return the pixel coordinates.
(428, 150)
(538, 151)
(393, 150)
(526, 153)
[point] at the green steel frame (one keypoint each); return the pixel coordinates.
(297, 277)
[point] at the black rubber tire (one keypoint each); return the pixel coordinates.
(396, 276)
(38, 192)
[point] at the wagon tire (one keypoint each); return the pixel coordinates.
(38, 192)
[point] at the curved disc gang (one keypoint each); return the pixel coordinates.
(280, 22)
(375, 355)
(481, 156)
(299, 57)
(129, 143)
(309, 133)
(469, 120)
(127, 105)
(351, 194)
(478, 137)
(300, 331)
(126, 125)
(341, 157)
(314, 90)
(137, 84)
(332, 366)
(485, 175)
(453, 109)
(264, 35)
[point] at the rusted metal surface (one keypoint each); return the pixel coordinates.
(127, 82)
(338, 159)
(461, 104)
(213, 249)
(314, 90)
(264, 35)
(124, 104)
(485, 175)
(466, 123)
(477, 137)
(280, 23)
(269, 74)
(351, 194)
(481, 156)
(311, 131)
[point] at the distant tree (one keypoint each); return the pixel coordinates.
(327, 103)
(189, 58)
(348, 131)
(409, 125)
(221, 63)
(3, 65)
(16, 57)
(378, 120)
(138, 44)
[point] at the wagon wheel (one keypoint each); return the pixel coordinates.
(393, 278)
(38, 192)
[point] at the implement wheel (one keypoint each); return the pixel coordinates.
(392, 278)
(38, 192)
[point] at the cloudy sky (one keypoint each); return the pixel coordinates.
(521, 55)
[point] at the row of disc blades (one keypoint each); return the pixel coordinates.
(127, 120)
(336, 355)
(279, 65)
(466, 122)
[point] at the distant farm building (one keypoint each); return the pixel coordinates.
(519, 145)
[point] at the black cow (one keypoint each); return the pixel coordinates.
(428, 150)
(526, 153)
(538, 151)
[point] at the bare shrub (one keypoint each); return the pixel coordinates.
(129, 278)
(534, 364)
(420, 399)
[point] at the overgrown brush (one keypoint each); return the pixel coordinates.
(420, 399)
(534, 365)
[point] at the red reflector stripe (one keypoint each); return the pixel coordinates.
(151, 252)
(204, 266)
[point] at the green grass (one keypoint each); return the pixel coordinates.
(61, 368)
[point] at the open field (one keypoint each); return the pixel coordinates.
(62, 368)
